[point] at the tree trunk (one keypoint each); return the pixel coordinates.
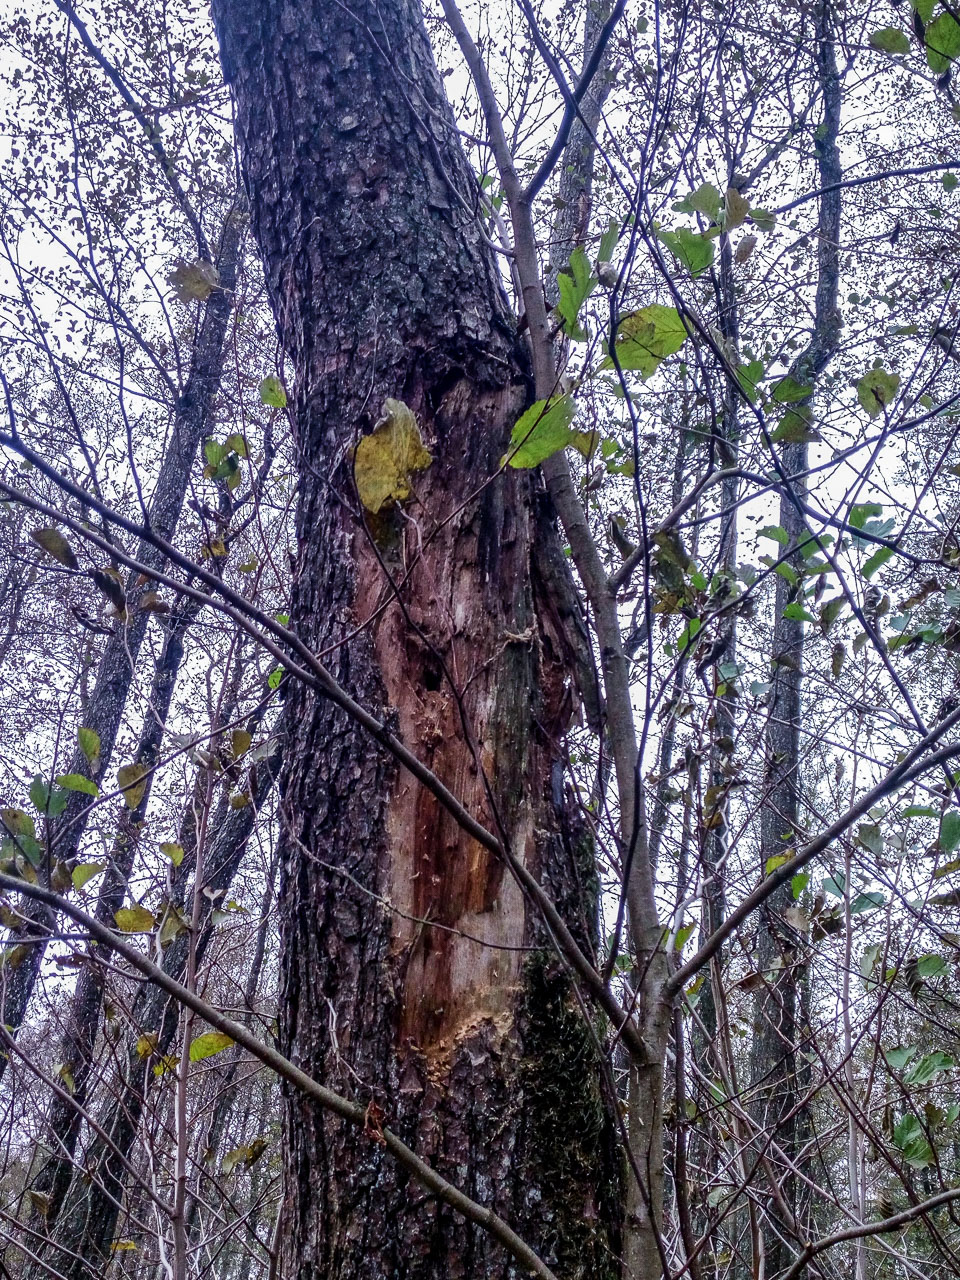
(779, 951)
(435, 615)
(118, 661)
(82, 1020)
(80, 1244)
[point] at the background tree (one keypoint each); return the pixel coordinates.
(613, 417)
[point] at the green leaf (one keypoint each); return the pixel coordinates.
(646, 337)
(890, 40)
(541, 432)
(898, 1058)
(929, 1066)
(575, 283)
(45, 799)
(89, 743)
(877, 561)
(797, 613)
(949, 838)
(608, 241)
(272, 393)
(274, 678)
(750, 376)
(869, 836)
(776, 533)
(910, 1138)
(692, 250)
(861, 512)
(706, 200)
(796, 428)
(763, 220)
(876, 389)
(18, 823)
(789, 391)
(942, 39)
(773, 863)
(683, 936)
(56, 545)
(924, 9)
(238, 444)
(799, 883)
(866, 902)
(214, 452)
(923, 811)
(208, 1044)
(134, 920)
(950, 182)
(77, 782)
(85, 872)
(932, 966)
(735, 209)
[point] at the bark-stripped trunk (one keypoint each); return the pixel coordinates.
(79, 1248)
(118, 662)
(473, 1047)
(777, 1028)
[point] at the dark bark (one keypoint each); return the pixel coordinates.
(706, 1043)
(780, 949)
(80, 1245)
(382, 286)
(118, 661)
(82, 1021)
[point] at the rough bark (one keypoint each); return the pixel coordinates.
(79, 1248)
(777, 1028)
(82, 1020)
(119, 658)
(382, 286)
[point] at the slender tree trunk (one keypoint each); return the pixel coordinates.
(773, 1060)
(80, 1244)
(724, 448)
(471, 1046)
(82, 1021)
(118, 662)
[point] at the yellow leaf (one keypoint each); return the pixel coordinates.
(173, 851)
(40, 1201)
(240, 741)
(85, 872)
(122, 1246)
(736, 208)
(147, 1044)
(384, 460)
(56, 545)
(131, 778)
(134, 920)
(208, 1044)
(153, 602)
(194, 281)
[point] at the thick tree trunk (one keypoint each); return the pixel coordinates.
(405, 978)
